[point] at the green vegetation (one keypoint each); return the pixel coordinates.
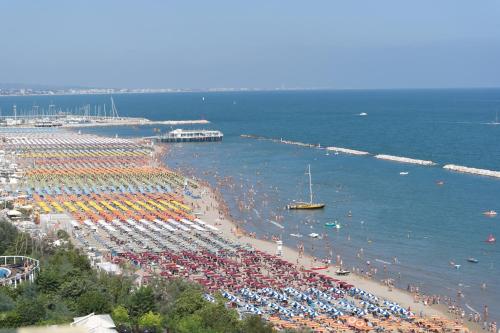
(68, 287)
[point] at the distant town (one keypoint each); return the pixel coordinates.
(5, 90)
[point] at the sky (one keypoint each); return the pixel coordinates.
(339, 44)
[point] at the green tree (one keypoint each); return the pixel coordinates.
(48, 280)
(6, 302)
(118, 287)
(120, 315)
(21, 245)
(217, 317)
(10, 319)
(140, 302)
(8, 234)
(255, 324)
(151, 321)
(61, 234)
(93, 301)
(189, 324)
(166, 292)
(188, 302)
(74, 288)
(30, 311)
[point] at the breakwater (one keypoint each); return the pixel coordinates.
(306, 145)
(473, 171)
(392, 158)
(404, 160)
(347, 151)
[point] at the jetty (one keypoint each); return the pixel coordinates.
(404, 160)
(473, 171)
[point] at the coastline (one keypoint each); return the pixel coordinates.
(213, 207)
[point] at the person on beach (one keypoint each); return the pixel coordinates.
(485, 313)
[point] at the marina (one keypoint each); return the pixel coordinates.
(83, 116)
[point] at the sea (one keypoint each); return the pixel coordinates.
(415, 228)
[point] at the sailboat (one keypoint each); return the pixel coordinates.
(496, 121)
(310, 204)
(491, 239)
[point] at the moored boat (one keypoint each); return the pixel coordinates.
(490, 213)
(342, 272)
(310, 204)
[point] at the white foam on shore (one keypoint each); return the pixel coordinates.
(348, 151)
(404, 159)
(474, 171)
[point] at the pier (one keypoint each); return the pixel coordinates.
(181, 135)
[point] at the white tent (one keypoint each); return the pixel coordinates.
(96, 323)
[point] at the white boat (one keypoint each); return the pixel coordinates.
(490, 213)
(403, 173)
(362, 114)
(313, 235)
(296, 235)
(310, 204)
(342, 272)
(496, 121)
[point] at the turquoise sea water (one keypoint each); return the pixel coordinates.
(409, 217)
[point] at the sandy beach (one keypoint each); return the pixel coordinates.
(212, 207)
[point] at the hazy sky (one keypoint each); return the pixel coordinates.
(256, 43)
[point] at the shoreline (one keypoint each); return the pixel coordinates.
(213, 207)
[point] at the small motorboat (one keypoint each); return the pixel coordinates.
(296, 235)
(319, 268)
(313, 235)
(491, 239)
(362, 114)
(403, 173)
(349, 214)
(440, 183)
(490, 213)
(342, 272)
(335, 225)
(472, 260)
